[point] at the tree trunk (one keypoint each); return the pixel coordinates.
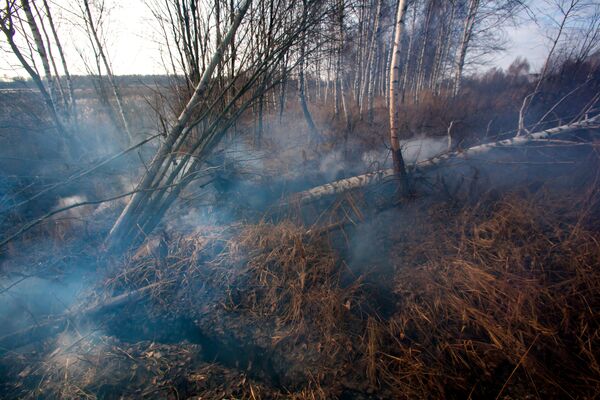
(398, 160)
(302, 85)
(406, 67)
(72, 101)
(441, 74)
(367, 87)
(260, 122)
(464, 45)
(109, 73)
(420, 72)
(359, 56)
(120, 236)
(40, 47)
(372, 178)
(282, 89)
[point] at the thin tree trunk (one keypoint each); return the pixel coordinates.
(120, 236)
(302, 93)
(232, 48)
(394, 112)
(420, 72)
(61, 53)
(411, 39)
(302, 80)
(385, 66)
(55, 82)
(218, 40)
(437, 58)
(338, 59)
(41, 49)
(259, 127)
(109, 73)
(464, 45)
(367, 87)
(282, 89)
(328, 81)
(445, 50)
(359, 55)
(336, 87)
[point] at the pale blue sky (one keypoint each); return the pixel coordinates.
(133, 48)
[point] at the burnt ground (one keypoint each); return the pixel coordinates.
(483, 284)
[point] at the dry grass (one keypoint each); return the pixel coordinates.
(495, 300)
(509, 294)
(95, 366)
(291, 274)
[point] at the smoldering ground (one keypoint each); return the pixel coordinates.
(215, 294)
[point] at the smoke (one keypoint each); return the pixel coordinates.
(333, 165)
(248, 180)
(414, 150)
(26, 300)
(191, 219)
(50, 269)
(76, 213)
(245, 182)
(422, 148)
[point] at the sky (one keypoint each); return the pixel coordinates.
(133, 41)
(524, 41)
(132, 45)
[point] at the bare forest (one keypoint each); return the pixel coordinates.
(307, 199)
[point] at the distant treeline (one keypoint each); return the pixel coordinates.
(87, 81)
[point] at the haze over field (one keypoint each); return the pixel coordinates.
(300, 199)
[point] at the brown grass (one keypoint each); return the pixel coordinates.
(291, 274)
(509, 294)
(495, 300)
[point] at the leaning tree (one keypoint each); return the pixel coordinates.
(246, 70)
(23, 25)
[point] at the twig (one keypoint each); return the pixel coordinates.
(79, 174)
(517, 366)
(55, 325)
(39, 220)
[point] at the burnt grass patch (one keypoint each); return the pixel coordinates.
(464, 291)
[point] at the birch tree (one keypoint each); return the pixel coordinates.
(206, 117)
(463, 46)
(394, 111)
(301, 78)
(483, 21)
(369, 74)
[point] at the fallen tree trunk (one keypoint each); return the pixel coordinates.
(53, 325)
(57, 324)
(372, 178)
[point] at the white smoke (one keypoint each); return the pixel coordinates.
(422, 148)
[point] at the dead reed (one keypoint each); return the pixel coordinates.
(495, 300)
(509, 294)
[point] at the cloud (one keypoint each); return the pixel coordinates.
(525, 41)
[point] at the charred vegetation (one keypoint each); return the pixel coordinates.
(318, 200)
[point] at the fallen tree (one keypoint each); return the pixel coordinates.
(56, 324)
(371, 178)
(53, 325)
